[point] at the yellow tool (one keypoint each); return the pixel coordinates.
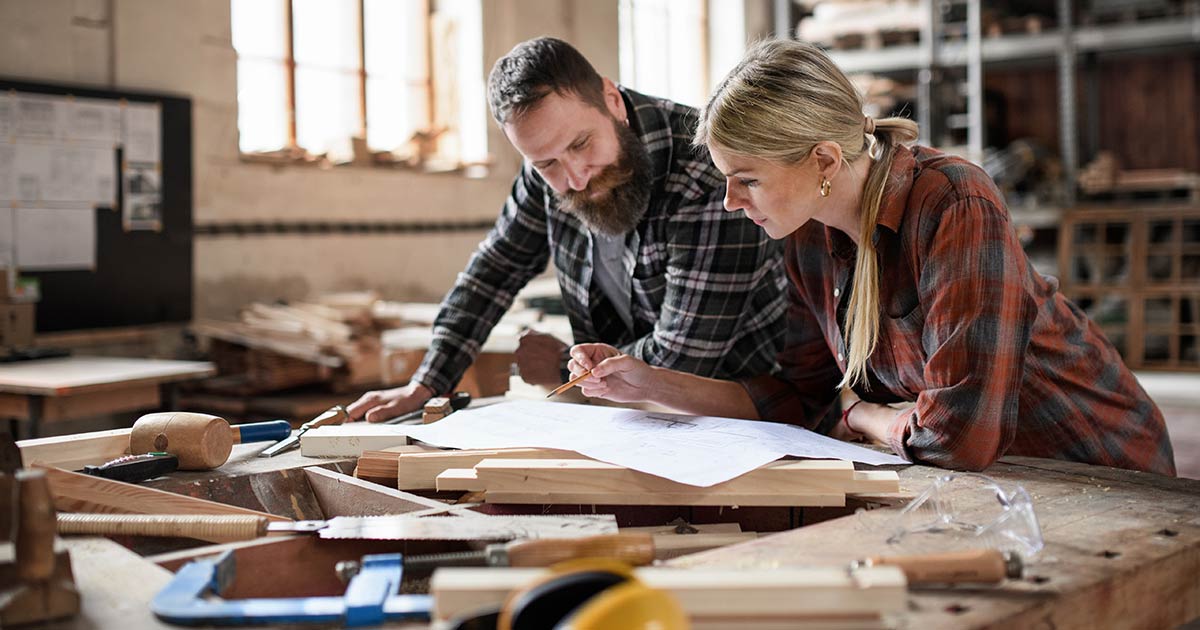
(589, 594)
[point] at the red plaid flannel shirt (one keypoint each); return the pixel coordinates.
(995, 359)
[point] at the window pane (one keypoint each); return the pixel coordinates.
(397, 84)
(661, 48)
(326, 110)
(259, 28)
(469, 123)
(262, 105)
(395, 38)
(326, 33)
(395, 110)
(726, 39)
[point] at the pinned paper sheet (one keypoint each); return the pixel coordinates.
(55, 238)
(696, 450)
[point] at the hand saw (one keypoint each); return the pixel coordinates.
(393, 527)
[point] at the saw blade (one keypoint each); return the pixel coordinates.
(458, 528)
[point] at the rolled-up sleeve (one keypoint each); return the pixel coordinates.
(979, 318)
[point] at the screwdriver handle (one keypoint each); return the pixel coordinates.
(635, 549)
(977, 566)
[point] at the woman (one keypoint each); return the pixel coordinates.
(907, 284)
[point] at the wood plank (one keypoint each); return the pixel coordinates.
(667, 498)
(73, 452)
(14, 406)
(343, 495)
(712, 594)
(667, 546)
(380, 466)
(812, 482)
(419, 471)
(350, 440)
(75, 492)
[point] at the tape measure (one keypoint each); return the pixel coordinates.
(589, 594)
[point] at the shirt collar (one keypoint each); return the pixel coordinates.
(891, 207)
(652, 124)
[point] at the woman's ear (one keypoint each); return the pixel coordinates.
(828, 158)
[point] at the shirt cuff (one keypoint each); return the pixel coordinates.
(898, 432)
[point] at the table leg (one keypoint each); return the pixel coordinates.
(170, 396)
(37, 405)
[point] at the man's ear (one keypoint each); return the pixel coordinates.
(828, 157)
(613, 101)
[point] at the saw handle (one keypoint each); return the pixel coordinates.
(635, 549)
(223, 527)
(977, 566)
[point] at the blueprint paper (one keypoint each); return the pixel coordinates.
(696, 450)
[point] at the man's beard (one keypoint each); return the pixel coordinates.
(623, 189)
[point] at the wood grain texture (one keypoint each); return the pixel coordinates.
(73, 452)
(75, 492)
(780, 483)
(343, 495)
(709, 594)
(1122, 550)
(75, 375)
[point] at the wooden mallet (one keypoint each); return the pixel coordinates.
(198, 440)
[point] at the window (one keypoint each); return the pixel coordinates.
(679, 49)
(312, 74)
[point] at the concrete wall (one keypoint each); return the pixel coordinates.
(184, 47)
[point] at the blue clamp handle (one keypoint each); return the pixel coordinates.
(272, 431)
(371, 598)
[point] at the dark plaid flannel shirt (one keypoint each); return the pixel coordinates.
(707, 285)
(997, 361)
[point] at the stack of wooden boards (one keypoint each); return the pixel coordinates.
(1105, 175)
(548, 476)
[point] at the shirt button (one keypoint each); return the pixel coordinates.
(840, 358)
(836, 291)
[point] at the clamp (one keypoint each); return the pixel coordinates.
(372, 597)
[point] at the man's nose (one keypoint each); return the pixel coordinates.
(577, 176)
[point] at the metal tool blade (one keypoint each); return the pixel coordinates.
(458, 528)
(285, 444)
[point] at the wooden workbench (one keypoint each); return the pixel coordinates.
(44, 390)
(1122, 548)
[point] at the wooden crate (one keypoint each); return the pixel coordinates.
(1136, 272)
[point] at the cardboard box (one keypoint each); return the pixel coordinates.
(16, 325)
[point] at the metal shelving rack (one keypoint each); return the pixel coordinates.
(1065, 47)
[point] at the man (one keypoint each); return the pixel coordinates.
(647, 259)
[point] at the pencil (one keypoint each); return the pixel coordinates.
(569, 384)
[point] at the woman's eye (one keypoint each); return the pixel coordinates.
(748, 183)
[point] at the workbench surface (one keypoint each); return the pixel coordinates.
(1122, 550)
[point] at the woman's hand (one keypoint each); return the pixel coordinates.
(615, 376)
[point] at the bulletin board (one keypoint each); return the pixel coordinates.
(96, 203)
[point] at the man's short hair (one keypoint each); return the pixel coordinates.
(535, 68)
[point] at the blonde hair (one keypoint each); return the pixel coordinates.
(782, 99)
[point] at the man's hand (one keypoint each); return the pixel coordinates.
(386, 404)
(538, 358)
(615, 376)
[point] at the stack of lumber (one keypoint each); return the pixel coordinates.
(1104, 175)
(416, 467)
(549, 476)
(793, 483)
(333, 339)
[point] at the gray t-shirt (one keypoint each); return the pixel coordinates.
(609, 273)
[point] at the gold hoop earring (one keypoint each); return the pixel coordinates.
(826, 187)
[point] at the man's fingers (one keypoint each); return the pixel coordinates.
(386, 411)
(358, 408)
